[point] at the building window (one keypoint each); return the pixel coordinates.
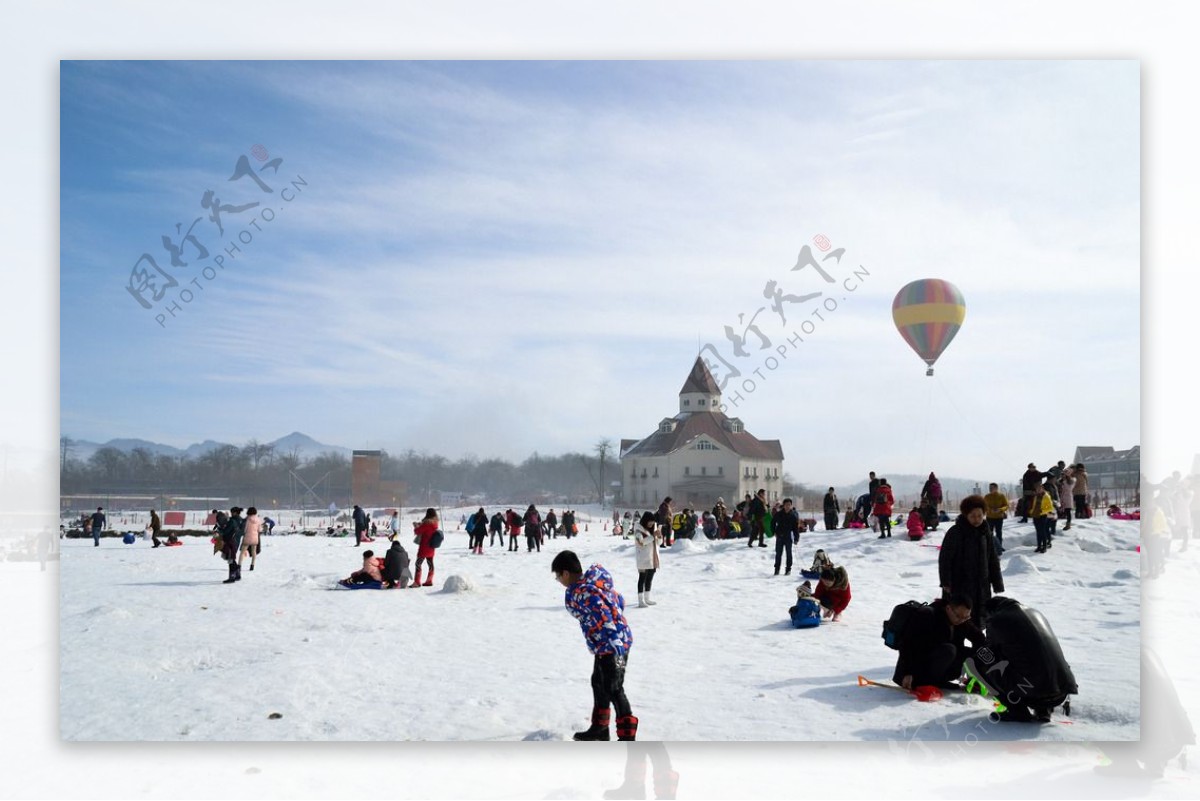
(687, 471)
(720, 471)
(704, 471)
(747, 473)
(700, 402)
(656, 472)
(687, 402)
(705, 445)
(644, 472)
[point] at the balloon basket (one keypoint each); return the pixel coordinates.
(929, 371)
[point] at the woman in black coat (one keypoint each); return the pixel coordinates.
(968, 563)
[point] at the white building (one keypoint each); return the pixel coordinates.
(699, 455)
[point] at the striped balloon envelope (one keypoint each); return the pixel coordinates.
(928, 313)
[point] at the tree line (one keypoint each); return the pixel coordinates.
(256, 473)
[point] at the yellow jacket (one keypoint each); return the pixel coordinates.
(997, 505)
(1046, 507)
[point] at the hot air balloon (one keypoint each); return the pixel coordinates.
(928, 313)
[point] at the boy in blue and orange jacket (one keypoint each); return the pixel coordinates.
(599, 608)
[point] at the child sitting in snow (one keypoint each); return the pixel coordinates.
(915, 524)
(371, 570)
(807, 612)
(820, 562)
(833, 591)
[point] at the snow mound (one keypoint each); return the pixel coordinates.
(541, 735)
(1125, 575)
(716, 569)
(302, 581)
(106, 611)
(910, 574)
(1092, 546)
(690, 546)
(458, 584)
(1021, 564)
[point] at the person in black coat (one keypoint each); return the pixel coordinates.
(932, 649)
(395, 566)
(496, 527)
(968, 563)
(757, 512)
(98, 520)
(786, 525)
(832, 507)
(232, 528)
(360, 525)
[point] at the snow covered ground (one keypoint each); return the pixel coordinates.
(154, 647)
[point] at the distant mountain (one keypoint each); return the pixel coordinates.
(201, 448)
(306, 447)
(302, 445)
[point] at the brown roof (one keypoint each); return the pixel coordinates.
(711, 424)
(700, 380)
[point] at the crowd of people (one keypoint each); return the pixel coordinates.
(932, 643)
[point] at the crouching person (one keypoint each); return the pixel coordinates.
(396, 572)
(932, 649)
(599, 608)
(833, 592)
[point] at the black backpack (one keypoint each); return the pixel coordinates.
(893, 627)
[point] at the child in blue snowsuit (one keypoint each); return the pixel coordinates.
(599, 608)
(807, 611)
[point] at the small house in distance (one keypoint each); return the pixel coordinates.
(699, 454)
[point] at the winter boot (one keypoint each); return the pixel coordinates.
(429, 581)
(627, 728)
(231, 579)
(237, 572)
(599, 727)
(649, 601)
(641, 599)
(417, 580)
(666, 784)
(634, 785)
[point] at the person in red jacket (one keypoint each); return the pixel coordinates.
(833, 591)
(425, 551)
(882, 507)
(915, 524)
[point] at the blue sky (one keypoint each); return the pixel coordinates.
(503, 257)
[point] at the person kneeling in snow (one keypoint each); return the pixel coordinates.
(915, 524)
(599, 608)
(371, 567)
(833, 591)
(931, 646)
(395, 566)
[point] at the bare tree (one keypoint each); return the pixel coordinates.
(64, 452)
(602, 449)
